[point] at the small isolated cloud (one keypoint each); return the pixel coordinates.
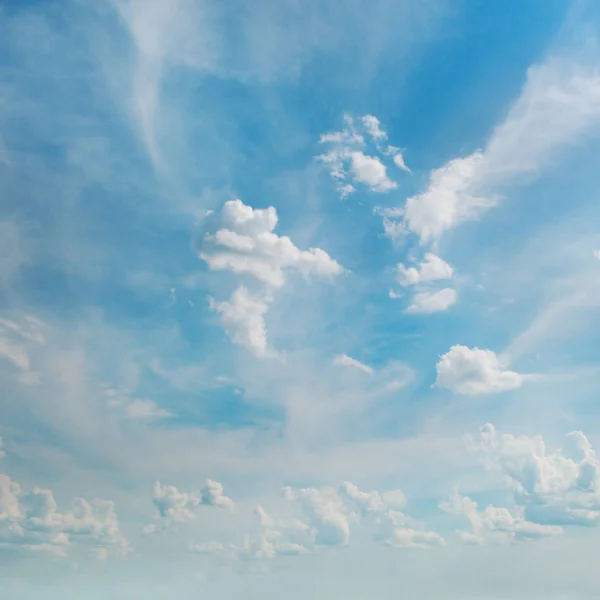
(596, 254)
(349, 163)
(242, 240)
(431, 268)
(427, 299)
(343, 360)
(474, 372)
(430, 302)
(2, 453)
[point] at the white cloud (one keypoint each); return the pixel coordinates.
(427, 300)
(326, 513)
(472, 372)
(373, 127)
(173, 507)
(243, 242)
(448, 199)
(347, 161)
(331, 512)
(212, 495)
(31, 521)
(559, 104)
(559, 487)
(137, 409)
(243, 317)
(370, 171)
(430, 302)
(495, 524)
(431, 268)
(343, 360)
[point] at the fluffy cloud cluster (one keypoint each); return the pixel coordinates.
(329, 515)
(559, 487)
(32, 521)
(173, 507)
(331, 512)
(473, 372)
(242, 240)
(422, 278)
(349, 165)
(17, 341)
(558, 104)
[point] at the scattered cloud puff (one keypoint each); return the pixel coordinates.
(243, 317)
(174, 507)
(431, 268)
(559, 103)
(430, 302)
(18, 339)
(343, 360)
(558, 488)
(31, 521)
(474, 372)
(349, 165)
(427, 299)
(136, 409)
(242, 240)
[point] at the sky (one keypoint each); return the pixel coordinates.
(299, 299)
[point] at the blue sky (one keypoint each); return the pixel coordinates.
(299, 299)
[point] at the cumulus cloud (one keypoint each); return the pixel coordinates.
(560, 487)
(245, 244)
(343, 360)
(370, 171)
(331, 511)
(473, 372)
(212, 495)
(242, 240)
(427, 299)
(430, 302)
(31, 521)
(243, 317)
(173, 507)
(495, 524)
(431, 268)
(559, 103)
(348, 163)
